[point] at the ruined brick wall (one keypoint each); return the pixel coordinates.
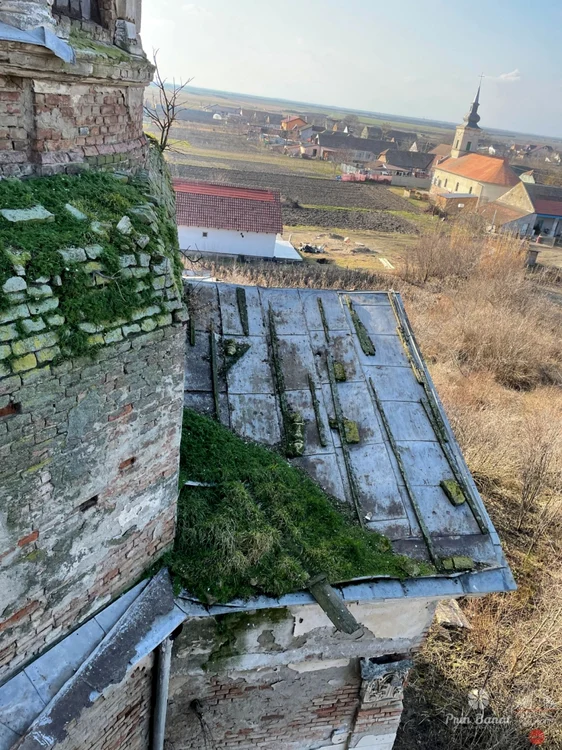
(278, 710)
(287, 680)
(16, 126)
(48, 127)
(57, 117)
(88, 478)
(96, 124)
(120, 718)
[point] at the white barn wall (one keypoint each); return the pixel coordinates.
(258, 244)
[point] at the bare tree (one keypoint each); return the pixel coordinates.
(166, 109)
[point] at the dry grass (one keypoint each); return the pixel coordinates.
(493, 343)
(486, 314)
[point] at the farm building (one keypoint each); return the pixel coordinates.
(230, 220)
(371, 131)
(406, 162)
(528, 210)
(348, 148)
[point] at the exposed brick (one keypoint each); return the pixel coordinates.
(33, 537)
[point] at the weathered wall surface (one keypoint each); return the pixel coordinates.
(287, 680)
(88, 480)
(48, 126)
(120, 718)
(57, 117)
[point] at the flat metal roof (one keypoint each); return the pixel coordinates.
(404, 452)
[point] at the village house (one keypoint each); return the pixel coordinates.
(229, 220)
(308, 131)
(469, 173)
(528, 210)
(292, 123)
(441, 152)
(406, 162)
(371, 131)
(347, 148)
(403, 138)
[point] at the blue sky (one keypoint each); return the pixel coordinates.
(407, 57)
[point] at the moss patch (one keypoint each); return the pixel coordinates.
(264, 527)
(453, 490)
(99, 293)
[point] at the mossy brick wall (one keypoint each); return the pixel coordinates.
(90, 412)
(88, 485)
(120, 718)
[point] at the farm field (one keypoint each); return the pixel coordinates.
(323, 202)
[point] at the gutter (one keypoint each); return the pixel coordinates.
(163, 665)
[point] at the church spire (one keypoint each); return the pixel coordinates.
(473, 118)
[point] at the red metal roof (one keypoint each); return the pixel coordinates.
(218, 206)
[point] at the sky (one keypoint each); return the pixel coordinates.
(406, 57)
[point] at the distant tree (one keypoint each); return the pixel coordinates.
(166, 107)
(351, 121)
(554, 178)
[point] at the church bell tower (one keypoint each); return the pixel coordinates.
(467, 136)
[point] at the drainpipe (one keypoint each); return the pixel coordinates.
(163, 663)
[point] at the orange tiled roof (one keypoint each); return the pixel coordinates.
(491, 169)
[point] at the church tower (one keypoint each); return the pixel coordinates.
(467, 136)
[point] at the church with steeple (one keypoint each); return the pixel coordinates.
(467, 136)
(467, 172)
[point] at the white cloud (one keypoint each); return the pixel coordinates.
(512, 77)
(191, 9)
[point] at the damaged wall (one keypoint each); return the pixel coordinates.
(287, 680)
(119, 718)
(57, 117)
(88, 476)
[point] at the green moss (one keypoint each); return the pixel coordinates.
(36, 245)
(351, 430)
(84, 42)
(362, 333)
(243, 309)
(453, 491)
(264, 526)
(232, 353)
(339, 372)
(230, 627)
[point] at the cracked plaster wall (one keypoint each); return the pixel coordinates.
(287, 680)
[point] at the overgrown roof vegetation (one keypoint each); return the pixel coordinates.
(36, 245)
(263, 527)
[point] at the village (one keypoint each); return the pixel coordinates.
(402, 182)
(280, 403)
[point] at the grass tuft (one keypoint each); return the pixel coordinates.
(263, 527)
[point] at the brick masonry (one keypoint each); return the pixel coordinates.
(277, 710)
(287, 680)
(57, 117)
(120, 718)
(88, 485)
